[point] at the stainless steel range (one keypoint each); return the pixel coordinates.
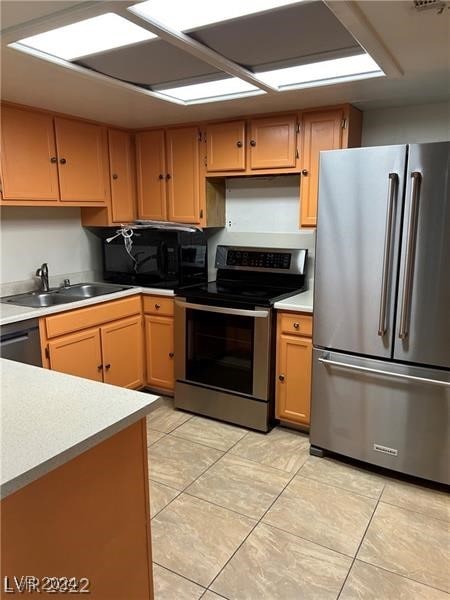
(225, 334)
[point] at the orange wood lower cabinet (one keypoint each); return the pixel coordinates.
(87, 518)
(160, 352)
(77, 354)
(294, 362)
(123, 352)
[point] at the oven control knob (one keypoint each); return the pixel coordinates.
(281, 377)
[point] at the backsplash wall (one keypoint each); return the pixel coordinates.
(32, 236)
(262, 211)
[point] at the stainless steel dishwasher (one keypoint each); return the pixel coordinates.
(20, 341)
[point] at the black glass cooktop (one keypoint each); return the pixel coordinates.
(251, 294)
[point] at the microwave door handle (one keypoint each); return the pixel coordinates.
(162, 258)
(263, 314)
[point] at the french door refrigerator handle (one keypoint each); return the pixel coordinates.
(223, 310)
(410, 251)
(392, 192)
(327, 361)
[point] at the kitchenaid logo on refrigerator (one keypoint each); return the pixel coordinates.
(385, 449)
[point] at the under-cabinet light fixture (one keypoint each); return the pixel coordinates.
(222, 89)
(183, 15)
(327, 72)
(89, 36)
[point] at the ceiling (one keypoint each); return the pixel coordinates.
(418, 44)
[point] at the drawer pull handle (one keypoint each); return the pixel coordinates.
(239, 144)
(252, 143)
(100, 367)
(115, 176)
(53, 160)
(296, 325)
(108, 366)
(160, 176)
(62, 161)
(281, 377)
(171, 354)
(157, 306)
(305, 172)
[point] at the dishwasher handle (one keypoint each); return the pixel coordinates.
(6, 340)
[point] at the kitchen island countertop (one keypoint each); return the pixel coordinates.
(49, 418)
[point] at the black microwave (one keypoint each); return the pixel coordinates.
(155, 258)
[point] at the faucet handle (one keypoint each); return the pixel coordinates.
(66, 283)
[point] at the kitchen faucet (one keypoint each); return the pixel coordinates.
(42, 272)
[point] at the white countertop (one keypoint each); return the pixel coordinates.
(48, 418)
(299, 303)
(10, 313)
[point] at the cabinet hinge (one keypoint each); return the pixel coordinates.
(199, 136)
(205, 161)
(297, 155)
(201, 213)
(47, 352)
(298, 127)
(344, 123)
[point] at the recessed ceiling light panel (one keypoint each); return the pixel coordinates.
(322, 73)
(88, 37)
(223, 89)
(183, 15)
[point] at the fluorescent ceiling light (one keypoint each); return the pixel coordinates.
(87, 37)
(222, 89)
(183, 15)
(323, 73)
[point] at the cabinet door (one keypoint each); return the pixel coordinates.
(83, 161)
(273, 142)
(121, 164)
(77, 354)
(151, 175)
(322, 130)
(159, 344)
(183, 175)
(294, 379)
(225, 146)
(28, 156)
(123, 352)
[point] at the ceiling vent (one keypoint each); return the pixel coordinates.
(437, 5)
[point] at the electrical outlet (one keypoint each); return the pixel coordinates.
(230, 224)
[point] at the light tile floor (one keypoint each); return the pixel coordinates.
(247, 516)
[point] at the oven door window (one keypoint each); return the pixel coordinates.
(219, 350)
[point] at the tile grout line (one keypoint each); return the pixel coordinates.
(416, 512)
(360, 544)
(427, 585)
(182, 576)
(252, 530)
(299, 474)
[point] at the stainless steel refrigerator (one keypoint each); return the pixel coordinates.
(381, 336)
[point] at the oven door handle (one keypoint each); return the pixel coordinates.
(224, 310)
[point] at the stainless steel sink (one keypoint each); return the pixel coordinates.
(90, 290)
(73, 293)
(39, 299)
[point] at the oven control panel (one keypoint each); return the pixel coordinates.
(274, 260)
(265, 260)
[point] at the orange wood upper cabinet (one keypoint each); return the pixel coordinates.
(321, 130)
(225, 146)
(183, 174)
(293, 394)
(83, 161)
(28, 156)
(151, 175)
(77, 354)
(160, 351)
(273, 142)
(123, 348)
(122, 172)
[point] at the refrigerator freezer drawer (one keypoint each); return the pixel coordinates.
(391, 415)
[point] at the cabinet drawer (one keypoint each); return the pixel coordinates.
(158, 305)
(295, 324)
(90, 316)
